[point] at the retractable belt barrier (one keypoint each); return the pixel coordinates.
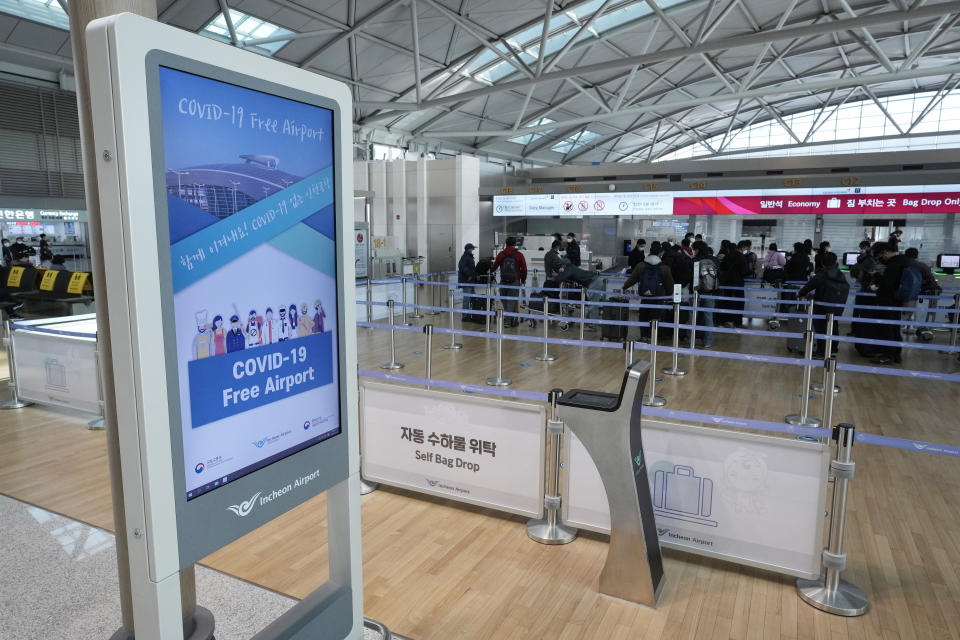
(704, 418)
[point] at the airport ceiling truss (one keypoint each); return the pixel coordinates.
(587, 81)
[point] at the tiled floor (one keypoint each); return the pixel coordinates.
(58, 580)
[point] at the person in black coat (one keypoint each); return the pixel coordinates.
(828, 285)
(887, 285)
(734, 271)
(573, 250)
(636, 254)
(467, 267)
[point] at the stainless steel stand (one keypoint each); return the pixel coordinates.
(14, 402)
(628, 353)
(393, 364)
(954, 320)
(452, 305)
(428, 353)
(693, 320)
(403, 299)
(367, 487)
(827, 353)
(499, 380)
(434, 283)
(829, 593)
(369, 300)
(546, 356)
(551, 530)
(674, 369)
(416, 315)
(803, 418)
(652, 399)
(583, 310)
(489, 294)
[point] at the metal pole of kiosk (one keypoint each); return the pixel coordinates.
(14, 402)
(546, 356)
(652, 399)
(499, 381)
(803, 418)
(693, 320)
(550, 529)
(416, 315)
(827, 353)
(393, 364)
(452, 304)
(828, 592)
(674, 369)
(428, 353)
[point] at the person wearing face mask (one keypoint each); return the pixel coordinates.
(7, 254)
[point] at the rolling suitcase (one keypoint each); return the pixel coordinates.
(615, 332)
(866, 330)
(796, 325)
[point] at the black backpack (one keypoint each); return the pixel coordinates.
(509, 269)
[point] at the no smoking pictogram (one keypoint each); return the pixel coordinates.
(583, 205)
(598, 205)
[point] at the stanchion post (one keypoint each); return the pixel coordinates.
(628, 353)
(393, 364)
(416, 315)
(827, 352)
(546, 356)
(674, 369)
(652, 399)
(435, 285)
(489, 296)
(14, 402)
(693, 320)
(803, 418)
(583, 310)
(954, 320)
(829, 593)
(550, 529)
(428, 352)
(499, 381)
(403, 299)
(370, 300)
(452, 304)
(829, 378)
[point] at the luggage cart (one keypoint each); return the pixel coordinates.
(554, 310)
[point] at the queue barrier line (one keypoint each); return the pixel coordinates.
(576, 303)
(729, 355)
(890, 343)
(902, 373)
(52, 332)
(918, 446)
(905, 323)
(754, 314)
(702, 328)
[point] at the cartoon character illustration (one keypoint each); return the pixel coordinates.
(269, 327)
(318, 315)
(219, 336)
(745, 475)
(283, 327)
(203, 341)
(293, 320)
(235, 337)
(306, 323)
(254, 330)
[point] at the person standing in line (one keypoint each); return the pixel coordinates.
(654, 279)
(636, 254)
(773, 264)
(706, 285)
(513, 274)
(829, 285)
(7, 254)
(466, 278)
(590, 282)
(573, 250)
(888, 286)
(552, 262)
(734, 269)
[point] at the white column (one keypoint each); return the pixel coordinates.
(421, 201)
(397, 221)
(468, 204)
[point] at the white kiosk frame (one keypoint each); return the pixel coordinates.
(121, 50)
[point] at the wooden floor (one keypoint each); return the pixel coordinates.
(437, 570)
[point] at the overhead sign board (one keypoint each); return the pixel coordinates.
(752, 499)
(819, 200)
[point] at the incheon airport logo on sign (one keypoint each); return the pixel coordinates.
(244, 508)
(200, 467)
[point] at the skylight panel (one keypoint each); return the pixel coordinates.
(530, 137)
(248, 28)
(46, 12)
(575, 141)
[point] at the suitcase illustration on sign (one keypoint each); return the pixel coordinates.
(682, 495)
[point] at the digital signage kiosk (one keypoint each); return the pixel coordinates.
(225, 185)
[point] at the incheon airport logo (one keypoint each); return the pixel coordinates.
(200, 467)
(306, 425)
(244, 508)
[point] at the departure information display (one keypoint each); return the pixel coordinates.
(846, 200)
(250, 197)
